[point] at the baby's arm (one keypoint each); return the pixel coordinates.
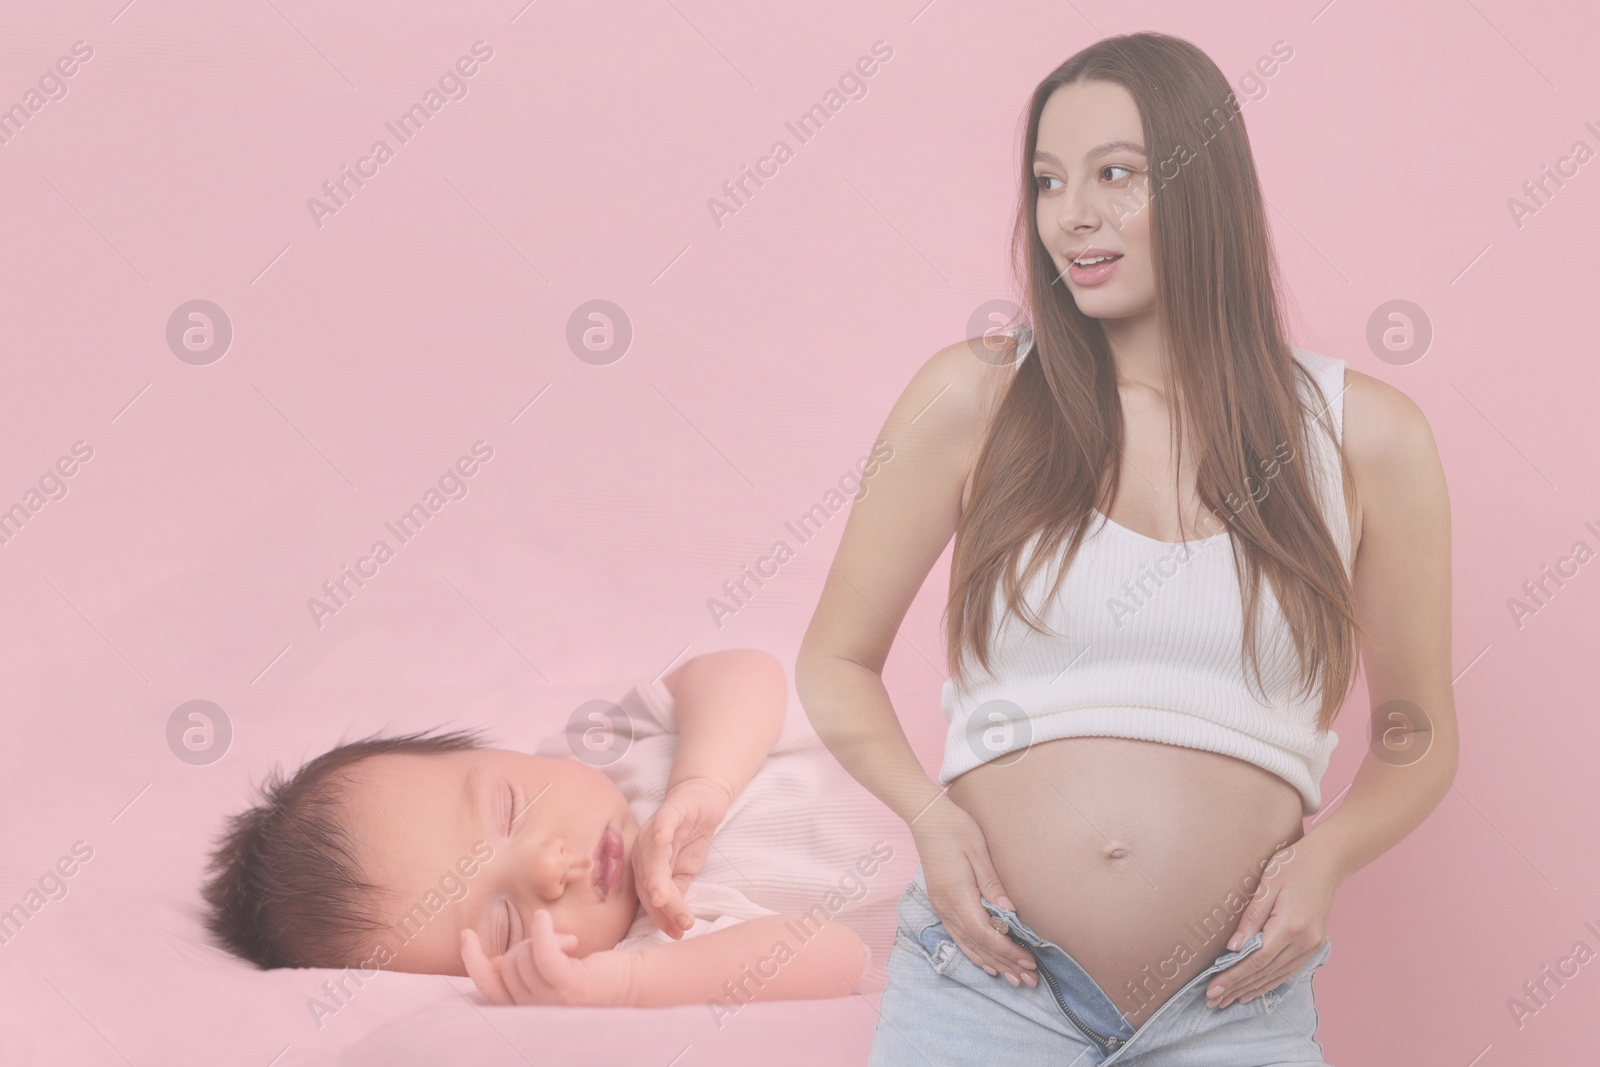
(730, 707)
(729, 711)
(759, 959)
(774, 957)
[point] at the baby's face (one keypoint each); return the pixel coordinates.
(535, 832)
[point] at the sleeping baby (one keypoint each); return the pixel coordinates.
(589, 873)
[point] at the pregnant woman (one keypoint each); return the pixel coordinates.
(1171, 530)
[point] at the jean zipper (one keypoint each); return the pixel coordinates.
(1107, 1044)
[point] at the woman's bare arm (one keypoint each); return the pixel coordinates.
(892, 538)
(1402, 593)
(894, 535)
(1402, 588)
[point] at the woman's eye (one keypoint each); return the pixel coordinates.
(1040, 179)
(1115, 166)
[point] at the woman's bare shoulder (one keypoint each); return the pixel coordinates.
(902, 520)
(1393, 458)
(962, 384)
(1382, 425)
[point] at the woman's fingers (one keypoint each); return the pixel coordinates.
(996, 964)
(1261, 983)
(989, 884)
(482, 970)
(988, 948)
(1278, 957)
(956, 864)
(989, 887)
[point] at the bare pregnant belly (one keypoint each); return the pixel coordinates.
(1132, 856)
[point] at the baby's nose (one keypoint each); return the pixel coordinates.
(559, 867)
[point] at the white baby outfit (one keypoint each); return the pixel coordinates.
(795, 837)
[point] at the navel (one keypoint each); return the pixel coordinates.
(1115, 850)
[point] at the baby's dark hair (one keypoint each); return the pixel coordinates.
(285, 888)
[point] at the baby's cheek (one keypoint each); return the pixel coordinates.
(601, 929)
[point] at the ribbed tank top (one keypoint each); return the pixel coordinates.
(1146, 642)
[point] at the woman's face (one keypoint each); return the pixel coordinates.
(1093, 178)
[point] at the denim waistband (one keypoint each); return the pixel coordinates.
(1082, 994)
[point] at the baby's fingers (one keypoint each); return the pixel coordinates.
(483, 971)
(555, 966)
(674, 916)
(653, 862)
(656, 855)
(522, 974)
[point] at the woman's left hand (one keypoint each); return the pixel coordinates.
(1290, 908)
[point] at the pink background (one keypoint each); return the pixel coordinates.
(370, 353)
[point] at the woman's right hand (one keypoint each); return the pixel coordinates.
(956, 866)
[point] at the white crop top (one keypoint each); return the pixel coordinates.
(1146, 640)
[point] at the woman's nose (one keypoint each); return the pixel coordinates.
(556, 866)
(1074, 210)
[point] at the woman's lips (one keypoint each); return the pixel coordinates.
(607, 861)
(1092, 275)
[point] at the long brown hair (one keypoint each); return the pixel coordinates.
(1050, 457)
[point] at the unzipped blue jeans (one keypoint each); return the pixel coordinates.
(942, 1010)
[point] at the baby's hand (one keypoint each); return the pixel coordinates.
(538, 970)
(671, 847)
